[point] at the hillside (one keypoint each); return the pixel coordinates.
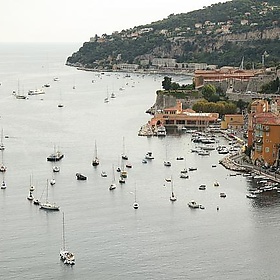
(221, 34)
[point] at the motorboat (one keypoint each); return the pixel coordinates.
(203, 153)
(161, 131)
(49, 206)
(144, 161)
(112, 186)
(216, 184)
(185, 170)
(184, 176)
(192, 168)
(202, 187)
(250, 195)
(167, 163)
(56, 156)
(223, 195)
(179, 158)
(36, 201)
(193, 204)
(103, 174)
(124, 173)
(128, 165)
(35, 91)
(121, 180)
(80, 176)
(149, 155)
(56, 169)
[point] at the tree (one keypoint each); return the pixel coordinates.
(208, 91)
(166, 83)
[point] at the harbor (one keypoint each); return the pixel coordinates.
(103, 228)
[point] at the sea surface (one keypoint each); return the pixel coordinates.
(110, 239)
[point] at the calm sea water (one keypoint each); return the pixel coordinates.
(111, 240)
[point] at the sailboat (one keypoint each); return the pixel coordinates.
(36, 201)
(95, 160)
(18, 95)
(48, 205)
(123, 171)
(66, 256)
(3, 185)
(135, 204)
(31, 186)
(172, 197)
(3, 168)
(55, 156)
(166, 162)
(30, 196)
(106, 99)
(124, 156)
(113, 184)
(2, 146)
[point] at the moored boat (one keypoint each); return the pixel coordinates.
(35, 91)
(80, 176)
(193, 204)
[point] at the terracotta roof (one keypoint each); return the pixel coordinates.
(267, 118)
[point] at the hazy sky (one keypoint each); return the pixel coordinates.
(78, 20)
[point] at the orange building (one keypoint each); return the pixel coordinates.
(266, 139)
(176, 116)
(223, 74)
(257, 107)
(235, 122)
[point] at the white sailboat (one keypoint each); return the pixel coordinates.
(48, 205)
(106, 99)
(95, 160)
(166, 162)
(113, 184)
(30, 196)
(124, 156)
(31, 186)
(18, 95)
(36, 201)
(66, 256)
(2, 146)
(3, 185)
(172, 197)
(3, 168)
(135, 204)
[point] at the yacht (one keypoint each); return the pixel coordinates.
(193, 204)
(167, 163)
(149, 155)
(161, 131)
(35, 91)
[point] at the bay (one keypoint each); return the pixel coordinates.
(111, 240)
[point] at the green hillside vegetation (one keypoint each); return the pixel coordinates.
(221, 34)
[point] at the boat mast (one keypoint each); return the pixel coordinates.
(63, 232)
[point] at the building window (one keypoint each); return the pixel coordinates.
(267, 149)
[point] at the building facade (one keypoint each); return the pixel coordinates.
(177, 117)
